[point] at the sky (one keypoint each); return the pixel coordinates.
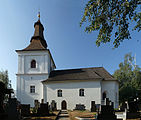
(70, 46)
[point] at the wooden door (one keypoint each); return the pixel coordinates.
(64, 105)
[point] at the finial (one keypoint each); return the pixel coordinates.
(39, 15)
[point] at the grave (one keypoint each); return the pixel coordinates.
(36, 106)
(2, 94)
(53, 105)
(42, 100)
(107, 101)
(25, 110)
(133, 110)
(80, 107)
(123, 107)
(12, 112)
(3, 91)
(43, 109)
(107, 113)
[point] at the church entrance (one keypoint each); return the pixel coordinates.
(64, 105)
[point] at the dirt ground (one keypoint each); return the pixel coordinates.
(134, 119)
(77, 113)
(43, 118)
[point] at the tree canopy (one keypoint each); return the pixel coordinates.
(4, 77)
(129, 76)
(112, 17)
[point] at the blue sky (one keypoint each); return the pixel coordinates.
(70, 46)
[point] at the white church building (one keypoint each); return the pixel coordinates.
(37, 79)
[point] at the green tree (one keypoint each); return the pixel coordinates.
(4, 83)
(112, 16)
(129, 76)
(4, 77)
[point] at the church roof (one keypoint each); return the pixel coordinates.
(37, 41)
(94, 73)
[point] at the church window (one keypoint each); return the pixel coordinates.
(32, 89)
(33, 64)
(59, 92)
(104, 95)
(81, 92)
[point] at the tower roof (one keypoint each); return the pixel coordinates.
(37, 41)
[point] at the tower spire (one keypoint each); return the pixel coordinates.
(39, 15)
(37, 41)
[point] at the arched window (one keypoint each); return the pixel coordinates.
(33, 64)
(81, 92)
(103, 95)
(59, 93)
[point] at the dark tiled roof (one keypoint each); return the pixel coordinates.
(35, 45)
(37, 41)
(80, 74)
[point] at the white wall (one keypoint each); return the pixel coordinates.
(111, 89)
(70, 93)
(23, 88)
(42, 58)
(27, 76)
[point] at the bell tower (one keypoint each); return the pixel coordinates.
(35, 62)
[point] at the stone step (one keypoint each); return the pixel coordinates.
(64, 118)
(64, 115)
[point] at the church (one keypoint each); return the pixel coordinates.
(37, 79)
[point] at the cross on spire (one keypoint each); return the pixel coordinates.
(39, 15)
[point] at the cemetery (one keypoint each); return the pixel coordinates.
(13, 110)
(129, 111)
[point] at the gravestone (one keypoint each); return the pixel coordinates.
(80, 107)
(107, 113)
(3, 91)
(93, 106)
(123, 106)
(2, 94)
(42, 100)
(53, 105)
(43, 109)
(107, 101)
(25, 110)
(133, 107)
(112, 104)
(12, 111)
(133, 110)
(36, 106)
